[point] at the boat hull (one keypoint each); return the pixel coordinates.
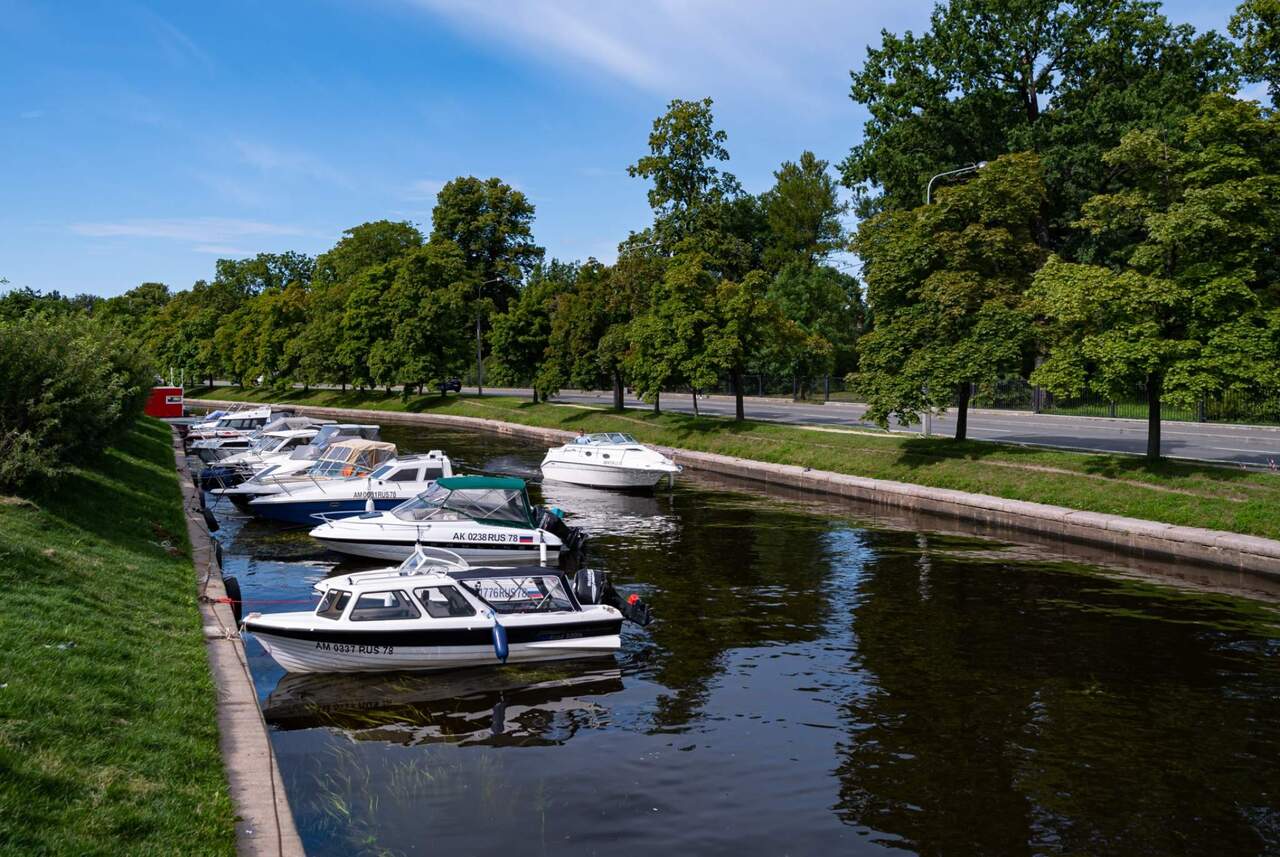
(601, 476)
(399, 550)
(306, 512)
(299, 651)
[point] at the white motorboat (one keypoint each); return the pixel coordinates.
(608, 460)
(400, 479)
(237, 433)
(479, 517)
(342, 460)
(432, 614)
(232, 471)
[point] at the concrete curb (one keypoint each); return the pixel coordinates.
(1135, 536)
(264, 823)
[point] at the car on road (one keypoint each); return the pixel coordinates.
(450, 385)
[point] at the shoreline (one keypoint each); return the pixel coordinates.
(264, 821)
(1133, 536)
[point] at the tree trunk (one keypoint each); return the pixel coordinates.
(657, 402)
(1155, 389)
(695, 401)
(737, 394)
(535, 395)
(618, 401)
(962, 410)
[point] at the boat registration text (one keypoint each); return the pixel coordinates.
(352, 649)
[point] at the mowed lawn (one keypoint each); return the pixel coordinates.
(108, 742)
(1219, 498)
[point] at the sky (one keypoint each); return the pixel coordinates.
(143, 141)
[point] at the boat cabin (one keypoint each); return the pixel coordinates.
(423, 587)
(415, 468)
(348, 458)
(502, 501)
(609, 438)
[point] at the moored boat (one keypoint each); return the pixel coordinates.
(342, 460)
(396, 481)
(608, 460)
(433, 614)
(480, 517)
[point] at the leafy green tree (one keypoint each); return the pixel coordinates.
(746, 322)
(493, 224)
(688, 189)
(947, 283)
(427, 310)
(265, 272)
(802, 213)
(1183, 298)
(994, 76)
(669, 341)
(827, 306)
(521, 336)
(588, 341)
(1256, 23)
(365, 246)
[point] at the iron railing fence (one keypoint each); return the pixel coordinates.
(1017, 394)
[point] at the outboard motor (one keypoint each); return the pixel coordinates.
(592, 586)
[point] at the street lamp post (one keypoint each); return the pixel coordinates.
(479, 353)
(926, 424)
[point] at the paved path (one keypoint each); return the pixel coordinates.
(1257, 446)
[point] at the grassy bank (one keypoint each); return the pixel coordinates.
(108, 743)
(1174, 492)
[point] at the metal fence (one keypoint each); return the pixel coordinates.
(1016, 394)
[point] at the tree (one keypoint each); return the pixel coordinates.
(1183, 298)
(1256, 23)
(493, 224)
(365, 246)
(688, 187)
(746, 322)
(802, 213)
(827, 306)
(426, 311)
(947, 283)
(669, 340)
(1066, 80)
(521, 336)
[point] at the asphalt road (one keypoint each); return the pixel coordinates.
(1255, 446)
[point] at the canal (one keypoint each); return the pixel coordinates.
(817, 681)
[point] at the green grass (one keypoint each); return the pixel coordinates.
(108, 742)
(1174, 492)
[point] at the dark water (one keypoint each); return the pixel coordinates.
(814, 685)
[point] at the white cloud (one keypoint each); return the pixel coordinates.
(207, 231)
(789, 54)
(424, 188)
(176, 45)
(279, 160)
(222, 250)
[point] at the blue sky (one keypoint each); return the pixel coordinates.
(142, 141)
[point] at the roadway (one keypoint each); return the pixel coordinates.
(1252, 446)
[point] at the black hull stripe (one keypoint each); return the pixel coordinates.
(443, 636)
(429, 543)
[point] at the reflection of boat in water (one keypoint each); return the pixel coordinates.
(612, 513)
(512, 706)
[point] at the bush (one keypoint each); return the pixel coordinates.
(68, 389)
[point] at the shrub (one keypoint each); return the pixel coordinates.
(68, 389)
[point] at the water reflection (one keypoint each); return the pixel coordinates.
(496, 707)
(812, 684)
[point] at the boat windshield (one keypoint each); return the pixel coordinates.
(525, 593)
(504, 506)
(612, 437)
(261, 475)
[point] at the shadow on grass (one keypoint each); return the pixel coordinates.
(923, 451)
(122, 499)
